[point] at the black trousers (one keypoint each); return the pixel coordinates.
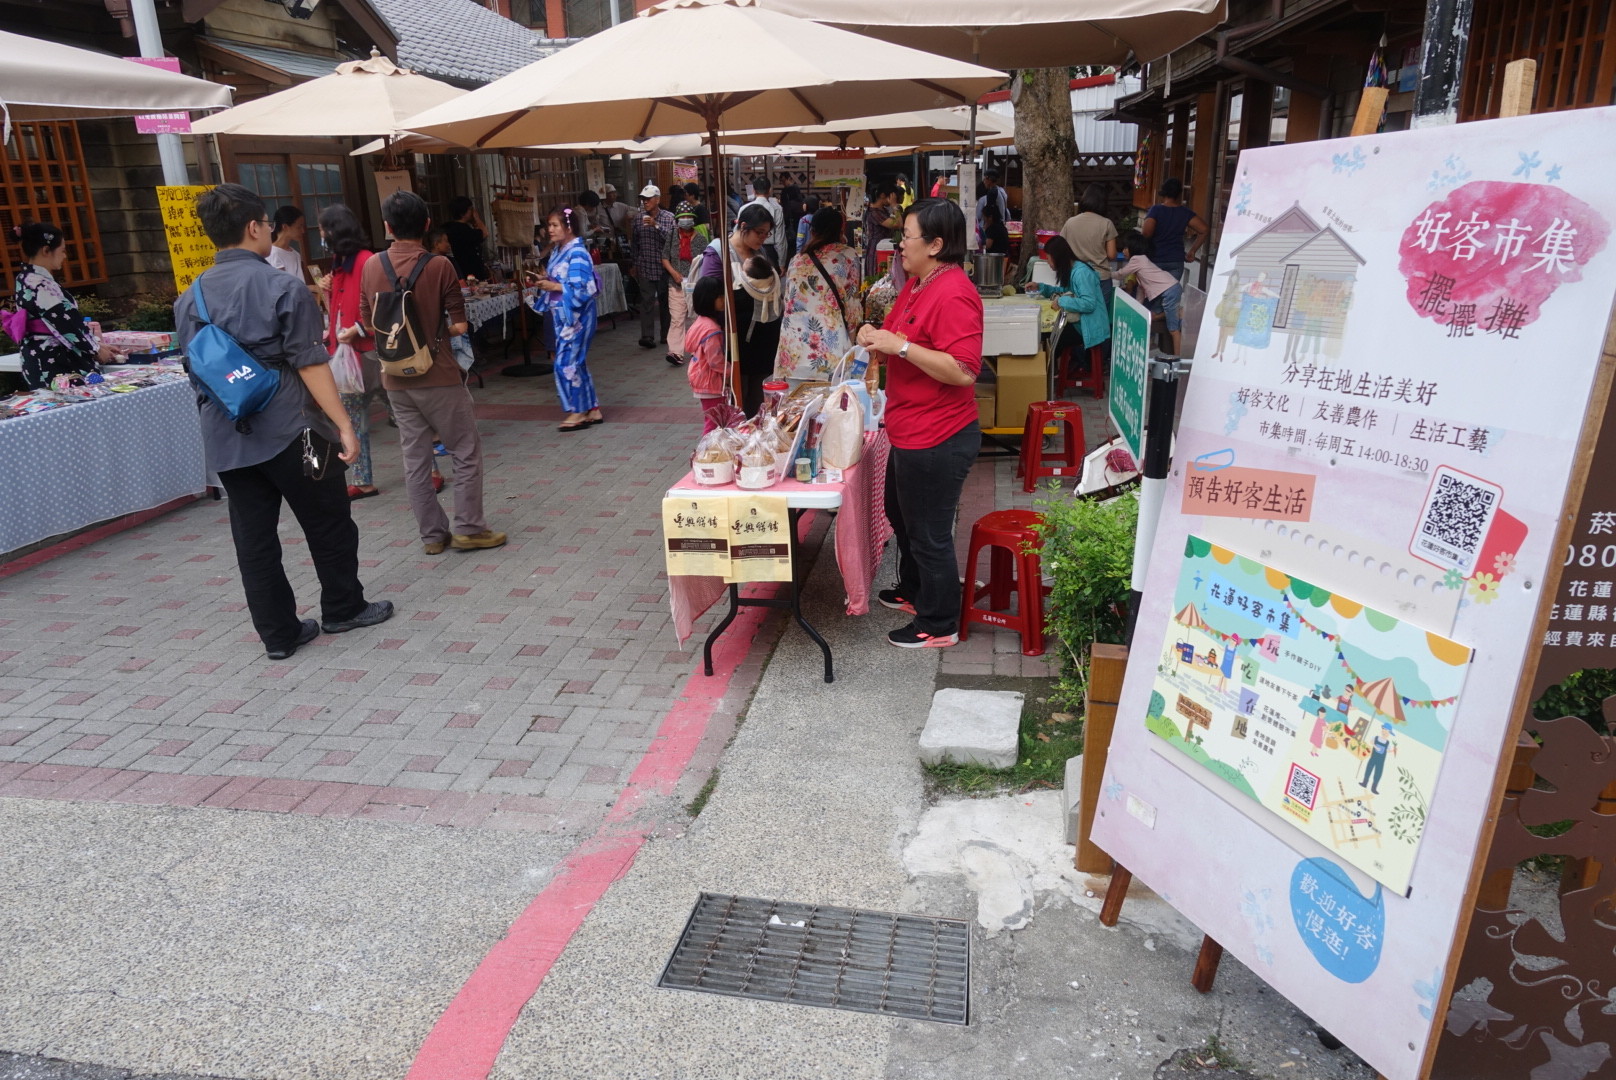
(653, 305)
(923, 493)
(326, 516)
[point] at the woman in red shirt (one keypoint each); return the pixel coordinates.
(344, 237)
(932, 341)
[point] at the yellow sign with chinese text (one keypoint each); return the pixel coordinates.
(759, 538)
(697, 534)
(189, 248)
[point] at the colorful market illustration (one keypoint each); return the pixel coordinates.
(1329, 714)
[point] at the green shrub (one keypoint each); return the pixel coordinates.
(150, 311)
(1088, 551)
(1581, 693)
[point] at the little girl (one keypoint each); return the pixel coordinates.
(1160, 289)
(704, 344)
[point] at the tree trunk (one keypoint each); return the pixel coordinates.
(1048, 145)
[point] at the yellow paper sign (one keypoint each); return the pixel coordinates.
(759, 538)
(697, 534)
(189, 248)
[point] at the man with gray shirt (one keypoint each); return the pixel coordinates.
(294, 448)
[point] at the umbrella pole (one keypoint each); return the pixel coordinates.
(732, 346)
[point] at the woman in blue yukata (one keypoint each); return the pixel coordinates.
(571, 286)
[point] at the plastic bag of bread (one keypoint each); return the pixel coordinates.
(713, 462)
(758, 462)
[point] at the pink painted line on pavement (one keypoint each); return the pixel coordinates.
(91, 536)
(467, 1039)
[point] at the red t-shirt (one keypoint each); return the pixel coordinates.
(947, 316)
(343, 299)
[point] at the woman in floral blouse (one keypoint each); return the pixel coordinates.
(822, 306)
(55, 341)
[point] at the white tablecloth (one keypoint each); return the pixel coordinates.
(82, 464)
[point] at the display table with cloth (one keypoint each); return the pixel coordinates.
(480, 310)
(862, 531)
(75, 466)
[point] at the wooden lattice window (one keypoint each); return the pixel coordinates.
(43, 178)
(1573, 42)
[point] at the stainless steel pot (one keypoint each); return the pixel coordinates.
(989, 270)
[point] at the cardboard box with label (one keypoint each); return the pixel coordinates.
(1021, 380)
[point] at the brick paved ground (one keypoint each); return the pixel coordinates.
(515, 688)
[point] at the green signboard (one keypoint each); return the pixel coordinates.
(1130, 357)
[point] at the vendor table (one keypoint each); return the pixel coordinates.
(77, 465)
(862, 531)
(484, 309)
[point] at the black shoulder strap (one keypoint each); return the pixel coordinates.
(834, 291)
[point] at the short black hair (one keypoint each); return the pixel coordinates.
(704, 297)
(1134, 242)
(991, 174)
(37, 236)
(941, 219)
(825, 227)
(1171, 188)
(753, 216)
(884, 186)
(226, 211)
(285, 214)
(588, 199)
(990, 212)
(406, 214)
(458, 207)
(810, 204)
(761, 185)
(1094, 201)
(433, 235)
(693, 191)
(344, 237)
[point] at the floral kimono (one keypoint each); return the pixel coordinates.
(573, 312)
(57, 342)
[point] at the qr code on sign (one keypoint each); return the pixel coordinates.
(1458, 511)
(1302, 787)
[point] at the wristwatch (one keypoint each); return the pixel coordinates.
(903, 350)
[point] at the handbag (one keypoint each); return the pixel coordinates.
(834, 291)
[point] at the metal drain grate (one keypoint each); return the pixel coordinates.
(913, 966)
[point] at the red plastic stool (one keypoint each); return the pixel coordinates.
(1094, 381)
(1035, 464)
(1008, 535)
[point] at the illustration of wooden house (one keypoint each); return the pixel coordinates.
(1309, 270)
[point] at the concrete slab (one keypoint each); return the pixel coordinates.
(1072, 796)
(973, 727)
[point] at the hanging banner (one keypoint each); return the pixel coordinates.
(685, 172)
(760, 538)
(167, 123)
(189, 249)
(697, 534)
(839, 168)
(389, 181)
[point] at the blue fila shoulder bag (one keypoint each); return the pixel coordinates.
(234, 379)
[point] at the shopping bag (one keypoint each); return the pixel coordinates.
(346, 371)
(842, 444)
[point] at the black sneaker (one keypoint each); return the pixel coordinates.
(910, 638)
(377, 611)
(890, 598)
(647, 343)
(307, 632)
(675, 360)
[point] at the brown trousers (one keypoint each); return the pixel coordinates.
(444, 412)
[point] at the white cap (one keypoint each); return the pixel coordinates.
(650, 191)
(612, 188)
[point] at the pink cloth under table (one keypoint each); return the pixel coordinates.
(862, 531)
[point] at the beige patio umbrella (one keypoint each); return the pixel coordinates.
(1023, 33)
(42, 80)
(1190, 618)
(923, 127)
(1383, 696)
(363, 97)
(702, 65)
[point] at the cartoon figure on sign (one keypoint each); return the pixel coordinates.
(1256, 314)
(1376, 767)
(1317, 735)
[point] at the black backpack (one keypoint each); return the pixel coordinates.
(402, 344)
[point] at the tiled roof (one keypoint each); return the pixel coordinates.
(458, 40)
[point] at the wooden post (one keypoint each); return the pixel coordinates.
(1107, 663)
(1371, 107)
(1111, 910)
(1520, 80)
(1206, 965)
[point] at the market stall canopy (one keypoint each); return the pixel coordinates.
(925, 127)
(696, 65)
(363, 97)
(1190, 618)
(43, 80)
(1023, 33)
(1383, 696)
